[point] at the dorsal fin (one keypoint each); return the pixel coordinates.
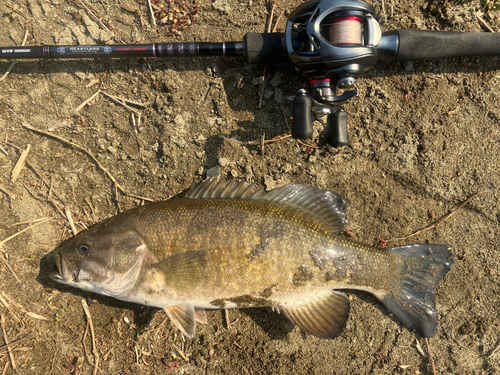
(325, 206)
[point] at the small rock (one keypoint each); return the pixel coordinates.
(221, 6)
(276, 80)
(270, 183)
(212, 172)
(200, 171)
(258, 81)
(112, 150)
(278, 95)
(223, 162)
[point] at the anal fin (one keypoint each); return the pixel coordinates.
(184, 318)
(325, 316)
(200, 315)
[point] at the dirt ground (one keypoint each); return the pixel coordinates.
(425, 137)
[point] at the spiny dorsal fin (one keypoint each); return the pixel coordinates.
(324, 317)
(325, 206)
(183, 317)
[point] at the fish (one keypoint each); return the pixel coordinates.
(228, 245)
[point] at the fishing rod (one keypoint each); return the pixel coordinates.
(331, 42)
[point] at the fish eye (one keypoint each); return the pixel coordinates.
(83, 248)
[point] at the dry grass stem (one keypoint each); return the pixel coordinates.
(123, 102)
(91, 11)
(78, 109)
(15, 61)
(24, 230)
(29, 336)
(35, 171)
(262, 143)
(80, 148)
(305, 144)
(495, 351)
(278, 20)
(8, 226)
(20, 164)
(70, 220)
(94, 348)
(6, 340)
(152, 13)
(7, 306)
(430, 356)
(8, 193)
(182, 354)
(139, 197)
(483, 22)
(437, 224)
(275, 139)
(3, 150)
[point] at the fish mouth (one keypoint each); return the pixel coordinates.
(61, 273)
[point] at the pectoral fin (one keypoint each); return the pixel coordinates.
(183, 317)
(185, 271)
(325, 316)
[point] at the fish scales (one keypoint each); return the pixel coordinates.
(246, 257)
(238, 248)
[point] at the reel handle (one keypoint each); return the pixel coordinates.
(302, 117)
(338, 123)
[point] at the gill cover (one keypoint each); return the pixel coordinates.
(107, 263)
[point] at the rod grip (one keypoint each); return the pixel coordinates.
(263, 48)
(432, 45)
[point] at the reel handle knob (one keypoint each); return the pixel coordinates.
(302, 117)
(340, 136)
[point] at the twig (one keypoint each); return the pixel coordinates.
(120, 101)
(182, 354)
(483, 22)
(7, 306)
(29, 336)
(16, 11)
(430, 356)
(6, 340)
(494, 351)
(139, 197)
(70, 220)
(94, 348)
(15, 61)
(152, 13)
(80, 148)
(278, 20)
(9, 194)
(85, 102)
(262, 139)
(20, 164)
(35, 171)
(275, 139)
(5, 368)
(24, 230)
(2, 256)
(305, 144)
(435, 225)
(8, 226)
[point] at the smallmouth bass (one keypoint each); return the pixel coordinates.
(225, 245)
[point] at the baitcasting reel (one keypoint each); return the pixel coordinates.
(331, 43)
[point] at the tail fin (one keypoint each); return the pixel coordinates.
(413, 302)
